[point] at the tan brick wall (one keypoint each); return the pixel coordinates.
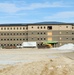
(13, 28)
(65, 27)
(55, 27)
(37, 27)
(36, 33)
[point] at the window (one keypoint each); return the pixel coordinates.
(26, 33)
(44, 27)
(23, 33)
(7, 39)
(14, 28)
(7, 44)
(10, 33)
(26, 27)
(4, 28)
(20, 33)
(49, 27)
(38, 44)
(17, 28)
(7, 28)
(14, 44)
(38, 38)
(10, 39)
(1, 39)
(20, 28)
(72, 28)
(10, 44)
(1, 44)
(32, 26)
(14, 33)
(41, 38)
(38, 33)
(26, 39)
(4, 33)
(66, 26)
(23, 39)
(7, 33)
(44, 38)
(41, 33)
(41, 27)
(41, 44)
(1, 34)
(38, 27)
(11, 28)
(44, 32)
(23, 28)
(14, 39)
(32, 38)
(1, 28)
(20, 39)
(72, 38)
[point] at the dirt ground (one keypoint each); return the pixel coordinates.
(32, 61)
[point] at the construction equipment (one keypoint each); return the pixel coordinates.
(49, 45)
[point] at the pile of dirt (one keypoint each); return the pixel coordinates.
(55, 66)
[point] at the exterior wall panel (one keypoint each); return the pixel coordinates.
(16, 35)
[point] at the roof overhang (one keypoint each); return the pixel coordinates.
(50, 42)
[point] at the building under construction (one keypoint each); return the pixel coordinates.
(53, 35)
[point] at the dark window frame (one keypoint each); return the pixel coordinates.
(49, 27)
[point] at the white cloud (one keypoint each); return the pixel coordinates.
(43, 5)
(8, 7)
(14, 7)
(61, 15)
(14, 15)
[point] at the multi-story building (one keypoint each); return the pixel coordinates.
(16, 34)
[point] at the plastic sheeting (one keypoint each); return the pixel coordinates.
(68, 46)
(29, 44)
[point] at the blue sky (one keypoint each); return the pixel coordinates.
(31, 11)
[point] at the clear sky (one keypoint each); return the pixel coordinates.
(31, 11)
